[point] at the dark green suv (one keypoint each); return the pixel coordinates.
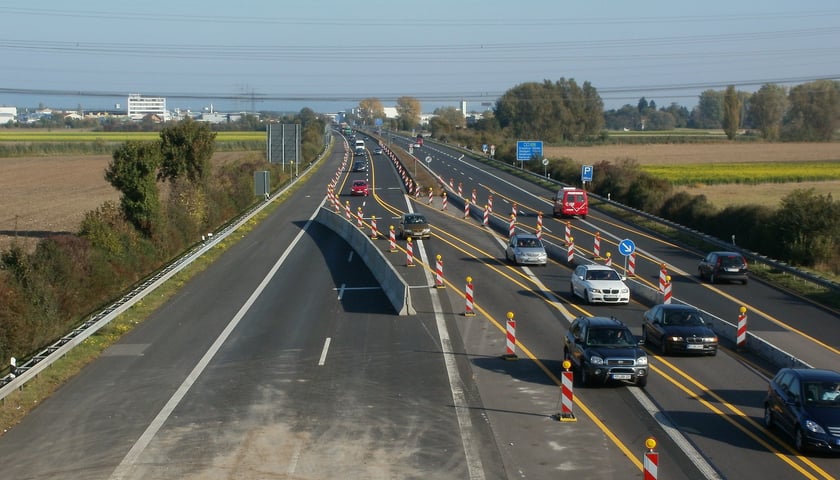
(603, 349)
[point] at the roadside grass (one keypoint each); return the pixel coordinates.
(17, 135)
(15, 406)
(750, 173)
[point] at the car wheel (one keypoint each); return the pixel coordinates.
(799, 441)
(588, 297)
(641, 382)
(584, 377)
(768, 417)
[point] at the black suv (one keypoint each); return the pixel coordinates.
(603, 349)
(723, 266)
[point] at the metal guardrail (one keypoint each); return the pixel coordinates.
(43, 359)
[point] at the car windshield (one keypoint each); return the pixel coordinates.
(415, 219)
(359, 183)
(602, 275)
(527, 243)
(731, 262)
(610, 337)
(823, 394)
(687, 319)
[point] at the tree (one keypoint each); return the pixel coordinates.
(731, 112)
(408, 109)
(767, 109)
(807, 225)
(679, 113)
(186, 148)
(709, 110)
(626, 117)
(551, 112)
(370, 109)
(132, 171)
(445, 121)
(814, 111)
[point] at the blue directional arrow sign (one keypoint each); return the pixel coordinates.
(626, 247)
(586, 173)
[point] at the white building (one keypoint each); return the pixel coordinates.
(140, 106)
(7, 114)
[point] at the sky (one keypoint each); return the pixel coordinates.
(327, 55)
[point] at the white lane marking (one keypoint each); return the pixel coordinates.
(456, 384)
(693, 454)
(323, 358)
(130, 460)
(350, 256)
(341, 291)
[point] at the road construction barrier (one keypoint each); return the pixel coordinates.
(608, 261)
(512, 228)
(443, 201)
(431, 195)
(360, 218)
(539, 225)
(663, 274)
(510, 337)
(741, 337)
(490, 203)
(666, 296)
(392, 239)
(460, 189)
(373, 232)
(567, 386)
(348, 212)
(486, 216)
(451, 182)
(568, 232)
(631, 265)
(474, 201)
(651, 460)
(468, 295)
(409, 253)
(439, 273)
(570, 251)
(466, 209)
(596, 248)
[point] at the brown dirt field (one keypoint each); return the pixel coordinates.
(41, 196)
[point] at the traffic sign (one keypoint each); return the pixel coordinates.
(586, 173)
(626, 247)
(529, 150)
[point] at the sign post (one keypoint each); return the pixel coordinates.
(528, 150)
(586, 172)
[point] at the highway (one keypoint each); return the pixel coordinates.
(284, 359)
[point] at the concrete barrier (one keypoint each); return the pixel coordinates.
(395, 288)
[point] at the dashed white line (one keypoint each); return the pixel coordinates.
(326, 348)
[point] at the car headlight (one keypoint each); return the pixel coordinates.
(596, 360)
(596, 290)
(625, 290)
(641, 361)
(675, 339)
(710, 339)
(813, 426)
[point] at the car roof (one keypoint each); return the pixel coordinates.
(604, 322)
(814, 374)
(525, 235)
(595, 266)
(676, 306)
(727, 254)
(359, 182)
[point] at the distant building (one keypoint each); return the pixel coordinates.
(139, 107)
(8, 114)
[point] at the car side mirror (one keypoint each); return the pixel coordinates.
(623, 278)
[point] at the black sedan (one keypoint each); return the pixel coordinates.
(805, 404)
(679, 329)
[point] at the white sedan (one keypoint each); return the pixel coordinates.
(599, 283)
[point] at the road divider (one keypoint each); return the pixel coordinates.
(395, 288)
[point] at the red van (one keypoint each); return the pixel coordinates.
(571, 202)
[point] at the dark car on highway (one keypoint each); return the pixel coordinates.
(728, 266)
(603, 349)
(805, 404)
(679, 329)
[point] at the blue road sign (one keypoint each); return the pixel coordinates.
(529, 150)
(586, 173)
(626, 247)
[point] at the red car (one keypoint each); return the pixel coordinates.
(360, 187)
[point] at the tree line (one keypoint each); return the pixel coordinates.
(170, 195)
